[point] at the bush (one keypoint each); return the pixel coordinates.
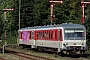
(11, 38)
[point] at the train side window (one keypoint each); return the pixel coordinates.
(32, 34)
(43, 34)
(53, 37)
(51, 34)
(54, 32)
(56, 35)
(39, 35)
(47, 35)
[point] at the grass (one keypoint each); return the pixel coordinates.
(88, 52)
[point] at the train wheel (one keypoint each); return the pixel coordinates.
(70, 53)
(19, 45)
(67, 52)
(56, 52)
(62, 54)
(39, 49)
(82, 52)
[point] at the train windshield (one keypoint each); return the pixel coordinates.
(74, 34)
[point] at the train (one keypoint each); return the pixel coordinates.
(65, 37)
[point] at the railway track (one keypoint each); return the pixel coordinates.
(2, 58)
(30, 56)
(25, 55)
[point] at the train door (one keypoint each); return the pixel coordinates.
(33, 40)
(60, 37)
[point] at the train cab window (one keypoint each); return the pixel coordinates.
(76, 34)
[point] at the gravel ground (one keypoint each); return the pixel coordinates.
(11, 57)
(8, 56)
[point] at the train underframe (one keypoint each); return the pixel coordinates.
(68, 51)
(41, 49)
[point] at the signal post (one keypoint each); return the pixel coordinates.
(53, 2)
(5, 10)
(83, 10)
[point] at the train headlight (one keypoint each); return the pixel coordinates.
(68, 47)
(67, 43)
(74, 43)
(83, 47)
(64, 45)
(82, 43)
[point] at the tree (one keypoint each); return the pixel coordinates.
(40, 12)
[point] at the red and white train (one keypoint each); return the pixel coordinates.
(57, 38)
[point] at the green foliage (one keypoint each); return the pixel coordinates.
(11, 40)
(11, 37)
(33, 12)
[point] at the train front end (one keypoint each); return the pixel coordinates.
(74, 38)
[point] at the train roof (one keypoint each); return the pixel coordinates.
(73, 25)
(64, 25)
